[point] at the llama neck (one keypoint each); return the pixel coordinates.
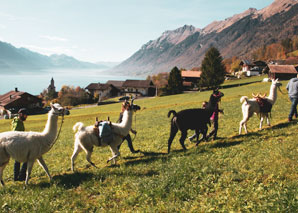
(50, 130)
(273, 94)
(126, 121)
(211, 106)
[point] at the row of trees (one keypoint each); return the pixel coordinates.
(70, 96)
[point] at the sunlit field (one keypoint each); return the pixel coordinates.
(256, 172)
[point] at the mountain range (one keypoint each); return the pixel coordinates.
(238, 35)
(22, 59)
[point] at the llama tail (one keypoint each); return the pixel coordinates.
(243, 99)
(172, 111)
(78, 126)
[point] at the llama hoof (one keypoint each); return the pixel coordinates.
(135, 151)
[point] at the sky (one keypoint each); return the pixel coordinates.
(106, 30)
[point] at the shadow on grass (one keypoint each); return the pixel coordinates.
(72, 180)
(226, 144)
(149, 157)
(283, 125)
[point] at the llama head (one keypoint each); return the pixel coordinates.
(276, 82)
(216, 95)
(57, 109)
(130, 106)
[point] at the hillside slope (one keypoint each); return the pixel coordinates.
(239, 35)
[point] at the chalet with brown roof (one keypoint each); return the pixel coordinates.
(139, 88)
(283, 72)
(102, 90)
(15, 99)
(117, 84)
(246, 65)
(190, 78)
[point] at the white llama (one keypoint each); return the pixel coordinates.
(85, 138)
(30, 146)
(251, 106)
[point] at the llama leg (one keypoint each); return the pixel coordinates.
(76, 151)
(182, 138)
(243, 123)
(44, 166)
(29, 169)
(1, 172)
(261, 121)
(268, 121)
(173, 133)
(88, 157)
(115, 153)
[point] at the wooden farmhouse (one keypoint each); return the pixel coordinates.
(283, 72)
(252, 68)
(117, 84)
(102, 90)
(246, 65)
(190, 78)
(139, 88)
(15, 99)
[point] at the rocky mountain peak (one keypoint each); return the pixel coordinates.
(218, 26)
(278, 6)
(172, 36)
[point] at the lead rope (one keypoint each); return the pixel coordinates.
(58, 132)
(135, 128)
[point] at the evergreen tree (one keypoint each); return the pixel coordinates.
(175, 82)
(213, 70)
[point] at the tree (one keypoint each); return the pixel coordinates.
(175, 82)
(213, 70)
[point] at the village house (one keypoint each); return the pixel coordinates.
(102, 90)
(246, 65)
(282, 72)
(190, 78)
(252, 68)
(137, 88)
(117, 84)
(15, 99)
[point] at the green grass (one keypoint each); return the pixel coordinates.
(254, 172)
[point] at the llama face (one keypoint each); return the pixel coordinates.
(59, 110)
(217, 95)
(130, 106)
(276, 82)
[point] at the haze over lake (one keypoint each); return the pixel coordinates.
(35, 82)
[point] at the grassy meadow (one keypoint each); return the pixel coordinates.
(249, 173)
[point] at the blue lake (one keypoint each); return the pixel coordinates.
(35, 82)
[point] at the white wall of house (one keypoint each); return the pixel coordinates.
(103, 93)
(245, 68)
(252, 73)
(143, 91)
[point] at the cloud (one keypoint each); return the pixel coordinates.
(54, 38)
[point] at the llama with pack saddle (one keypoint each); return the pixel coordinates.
(260, 105)
(194, 119)
(88, 137)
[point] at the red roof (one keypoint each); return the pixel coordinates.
(282, 69)
(191, 74)
(13, 95)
